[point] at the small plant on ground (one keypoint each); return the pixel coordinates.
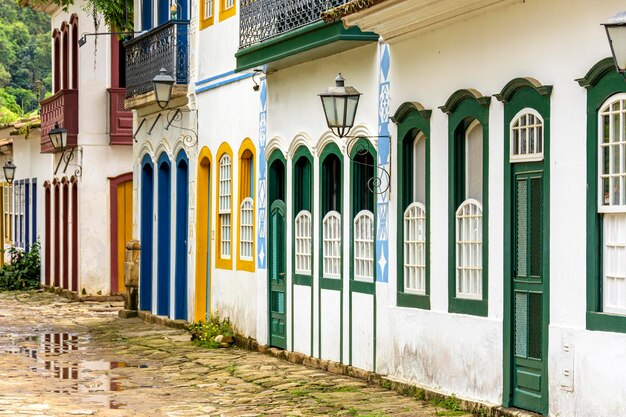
(203, 333)
(23, 272)
(451, 404)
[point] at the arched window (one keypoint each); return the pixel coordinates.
(245, 259)
(612, 200)
(415, 249)
(74, 24)
(65, 70)
(303, 243)
(527, 136)
(469, 216)
(56, 83)
(246, 229)
(224, 207)
(364, 246)
(469, 254)
(331, 237)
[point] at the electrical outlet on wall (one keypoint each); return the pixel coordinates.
(566, 374)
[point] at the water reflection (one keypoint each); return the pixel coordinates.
(90, 379)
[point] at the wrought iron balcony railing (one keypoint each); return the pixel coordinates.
(166, 46)
(261, 20)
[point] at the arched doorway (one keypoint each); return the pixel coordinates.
(203, 245)
(182, 224)
(164, 233)
(147, 230)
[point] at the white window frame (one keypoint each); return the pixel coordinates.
(614, 215)
(224, 209)
(208, 9)
(363, 261)
(527, 157)
(415, 249)
(614, 263)
(246, 229)
(229, 4)
(303, 232)
(469, 247)
(621, 144)
(331, 245)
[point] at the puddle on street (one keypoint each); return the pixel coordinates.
(87, 378)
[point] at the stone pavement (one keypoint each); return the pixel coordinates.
(62, 358)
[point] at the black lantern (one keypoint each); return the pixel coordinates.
(9, 172)
(58, 137)
(340, 104)
(163, 84)
(616, 32)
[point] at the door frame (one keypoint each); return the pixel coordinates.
(203, 234)
(272, 196)
(164, 240)
(146, 221)
(519, 94)
(181, 243)
(114, 183)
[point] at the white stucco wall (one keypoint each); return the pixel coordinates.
(99, 160)
(456, 353)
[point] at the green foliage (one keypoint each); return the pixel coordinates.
(203, 332)
(24, 270)
(115, 13)
(451, 404)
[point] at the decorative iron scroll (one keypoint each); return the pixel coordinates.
(378, 184)
(189, 137)
(166, 46)
(264, 19)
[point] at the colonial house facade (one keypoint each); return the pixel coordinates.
(467, 235)
(83, 192)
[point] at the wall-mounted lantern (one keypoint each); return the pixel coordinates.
(340, 104)
(163, 84)
(616, 33)
(9, 172)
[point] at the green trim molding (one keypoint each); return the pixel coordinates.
(519, 94)
(462, 107)
(596, 73)
(297, 41)
(301, 199)
(358, 286)
(601, 82)
(411, 118)
(516, 84)
(460, 95)
(329, 283)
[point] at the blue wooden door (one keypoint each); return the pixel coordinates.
(147, 230)
(164, 213)
(182, 220)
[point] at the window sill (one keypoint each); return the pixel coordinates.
(465, 306)
(606, 322)
(413, 300)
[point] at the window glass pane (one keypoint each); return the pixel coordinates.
(614, 260)
(419, 169)
(469, 250)
(474, 163)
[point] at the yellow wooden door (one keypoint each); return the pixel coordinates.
(124, 228)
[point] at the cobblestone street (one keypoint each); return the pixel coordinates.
(67, 358)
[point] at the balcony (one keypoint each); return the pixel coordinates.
(61, 108)
(166, 47)
(282, 33)
(120, 119)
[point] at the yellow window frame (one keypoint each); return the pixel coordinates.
(205, 22)
(247, 147)
(223, 263)
(226, 13)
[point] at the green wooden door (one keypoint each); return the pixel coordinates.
(529, 273)
(277, 275)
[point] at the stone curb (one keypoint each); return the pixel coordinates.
(148, 317)
(402, 388)
(74, 296)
